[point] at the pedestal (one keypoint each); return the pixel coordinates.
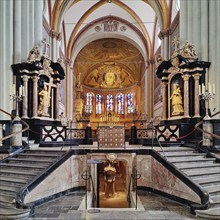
(16, 127)
(207, 139)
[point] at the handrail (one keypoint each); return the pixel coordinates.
(129, 192)
(15, 133)
(203, 194)
(153, 128)
(204, 131)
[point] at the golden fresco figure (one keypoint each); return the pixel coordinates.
(177, 101)
(109, 80)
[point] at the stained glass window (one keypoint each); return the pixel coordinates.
(109, 102)
(98, 104)
(130, 102)
(89, 98)
(120, 104)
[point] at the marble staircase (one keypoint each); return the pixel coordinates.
(200, 169)
(18, 171)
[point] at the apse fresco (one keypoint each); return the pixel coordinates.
(109, 64)
(109, 77)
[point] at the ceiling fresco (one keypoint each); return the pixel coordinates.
(109, 64)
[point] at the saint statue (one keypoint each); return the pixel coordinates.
(44, 101)
(109, 177)
(177, 101)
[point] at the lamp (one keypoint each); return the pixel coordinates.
(109, 1)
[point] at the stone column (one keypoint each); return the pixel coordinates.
(186, 95)
(38, 22)
(55, 37)
(183, 21)
(69, 90)
(57, 102)
(196, 94)
(1, 134)
(25, 97)
(164, 36)
(35, 96)
(17, 31)
(164, 86)
(150, 63)
(25, 30)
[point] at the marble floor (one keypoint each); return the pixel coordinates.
(154, 207)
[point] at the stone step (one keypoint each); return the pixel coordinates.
(215, 199)
(42, 151)
(174, 149)
(207, 180)
(189, 166)
(18, 160)
(17, 176)
(9, 172)
(182, 154)
(12, 183)
(9, 188)
(212, 213)
(23, 166)
(6, 198)
(202, 171)
(14, 213)
(191, 160)
(18, 180)
(212, 189)
(31, 155)
(8, 194)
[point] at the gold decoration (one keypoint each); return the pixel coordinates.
(177, 101)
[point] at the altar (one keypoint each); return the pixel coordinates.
(111, 136)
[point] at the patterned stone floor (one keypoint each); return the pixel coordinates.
(156, 207)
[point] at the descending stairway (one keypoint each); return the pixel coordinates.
(16, 172)
(203, 171)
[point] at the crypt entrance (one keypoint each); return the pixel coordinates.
(112, 184)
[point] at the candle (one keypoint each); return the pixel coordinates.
(10, 89)
(203, 88)
(213, 88)
(200, 89)
(13, 89)
(210, 88)
(21, 91)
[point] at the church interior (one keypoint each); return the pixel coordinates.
(110, 109)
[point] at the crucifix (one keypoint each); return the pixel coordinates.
(175, 43)
(45, 45)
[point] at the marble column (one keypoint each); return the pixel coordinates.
(196, 94)
(186, 95)
(164, 93)
(25, 97)
(57, 101)
(35, 96)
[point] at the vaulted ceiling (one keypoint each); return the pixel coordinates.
(92, 42)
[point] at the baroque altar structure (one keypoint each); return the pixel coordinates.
(182, 77)
(40, 78)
